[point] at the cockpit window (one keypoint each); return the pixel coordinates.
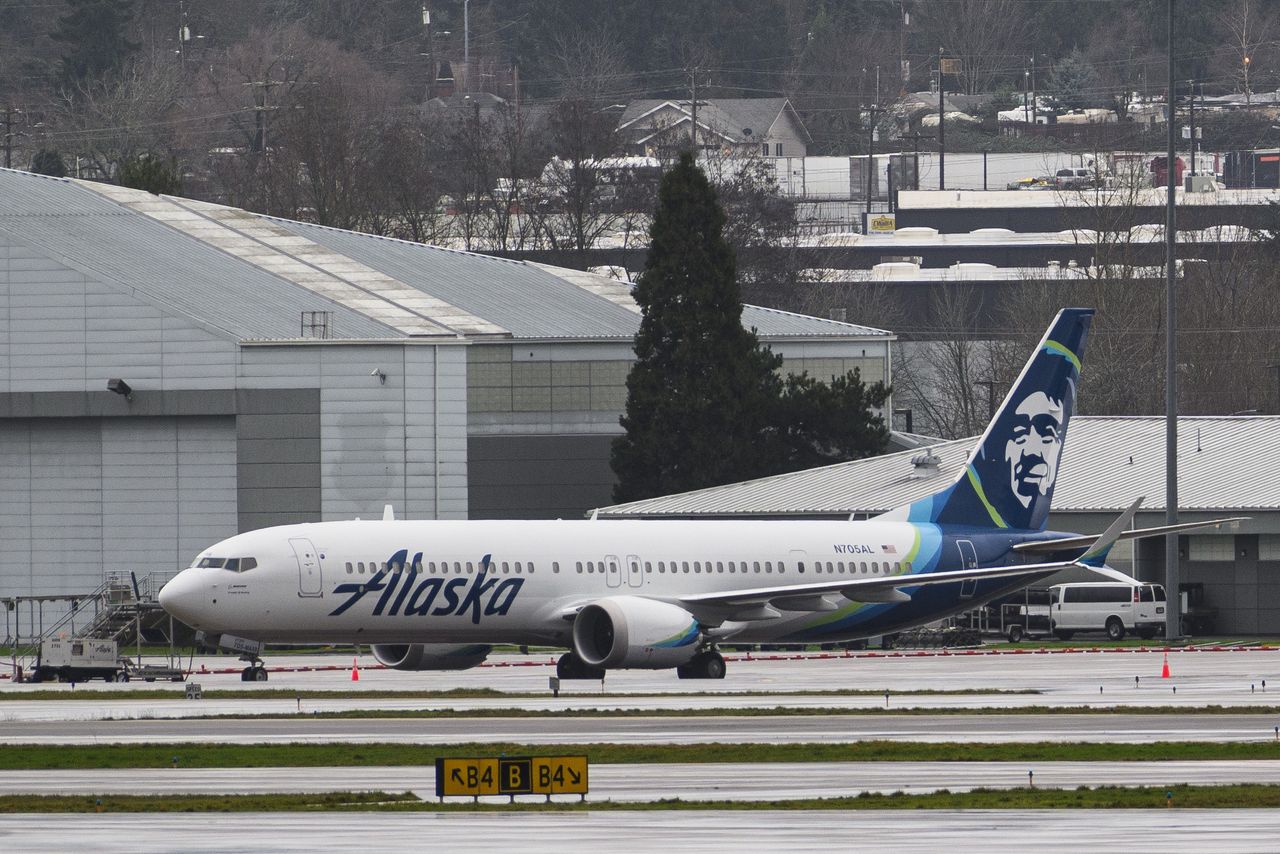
(235, 564)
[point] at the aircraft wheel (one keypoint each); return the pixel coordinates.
(260, 674)
(246, 675)
(705, 665)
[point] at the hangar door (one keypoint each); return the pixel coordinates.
(83, 496)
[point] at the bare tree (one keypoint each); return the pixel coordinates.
(1249, 28)
(118, 116)
(985, 35)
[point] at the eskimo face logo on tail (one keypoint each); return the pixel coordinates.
(1033, 447)
(408, 594)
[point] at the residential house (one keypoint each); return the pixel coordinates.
(764, 126)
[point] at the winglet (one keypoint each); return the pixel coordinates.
(1096, 556)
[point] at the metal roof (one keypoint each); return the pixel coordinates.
(143, 256)
(526, 299)
(251, 277)
(1224, 464)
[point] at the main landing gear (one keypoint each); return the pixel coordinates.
(255, 672)
(705, 665)
(571, 667)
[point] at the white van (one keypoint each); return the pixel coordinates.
(1107, 606)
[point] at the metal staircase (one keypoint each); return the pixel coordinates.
(123, 609)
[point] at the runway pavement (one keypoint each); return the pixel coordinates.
(767, 729)
(1094, 679)
(639, 783)
(1171, 831)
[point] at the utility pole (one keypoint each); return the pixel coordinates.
(466, 42)
(693, 103)
(1191, 122)
(8, 136)
(1035, 108)
(871, 164)
(261, 89)
(1173, 613)
(942, 132)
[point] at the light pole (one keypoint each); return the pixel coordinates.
(1173, 613)
(1246, 80)
(466, 41)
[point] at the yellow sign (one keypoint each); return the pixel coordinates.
(560, 775)
(883, 223)
(470, 777)
(952, 66)
(511, 775)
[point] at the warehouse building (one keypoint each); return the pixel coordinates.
(1226, 468)
(173, 372)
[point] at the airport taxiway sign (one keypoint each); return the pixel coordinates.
(511, 775)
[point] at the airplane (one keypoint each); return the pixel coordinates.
(660, 594)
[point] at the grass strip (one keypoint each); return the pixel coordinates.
(1246, 796)
(34, 757)
(69, 693)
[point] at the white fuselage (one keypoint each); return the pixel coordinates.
(428, 582)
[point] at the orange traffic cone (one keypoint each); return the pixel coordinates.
(355, 670)
(1164, 671)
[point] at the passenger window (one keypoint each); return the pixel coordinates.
(350, 569)
(897, 567)
(684, 565)
(457, 566)
(757, 566)
(360, 567)
(519, 566)
(720, 566)
(504, 566)
(906, 567)
(782, 567)
(555, 566)
(768, 566)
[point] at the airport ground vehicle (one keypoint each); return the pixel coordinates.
(1116, 608)
(78, 660)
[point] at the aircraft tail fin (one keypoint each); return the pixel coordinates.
(1009, 478)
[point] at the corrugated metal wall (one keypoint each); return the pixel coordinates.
(80, 497)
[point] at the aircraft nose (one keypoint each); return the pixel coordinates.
(180, 597)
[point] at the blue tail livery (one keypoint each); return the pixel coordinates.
(1009, 478)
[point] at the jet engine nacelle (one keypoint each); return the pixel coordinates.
(430, 656)
(629, 631)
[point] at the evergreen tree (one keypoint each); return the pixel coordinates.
(152, 174)
(48, 161)
(94, 34)
(818, 423)
(702, 391)
(1074, 84)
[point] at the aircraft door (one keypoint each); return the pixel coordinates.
(635, 571)
(309, 580)
(612, 571)
(968, 560)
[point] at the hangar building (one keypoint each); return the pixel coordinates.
(1226, 468)
(274, 372)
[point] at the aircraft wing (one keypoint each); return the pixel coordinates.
(1068, 543)
(767, 602)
